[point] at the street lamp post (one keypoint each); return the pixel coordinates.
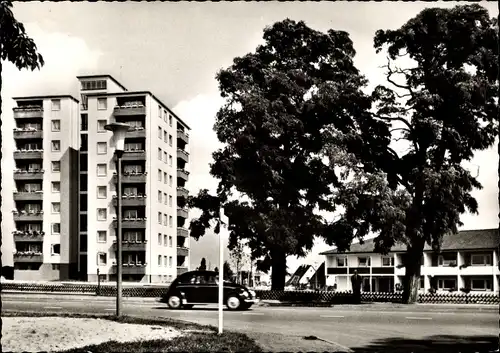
(119, 131)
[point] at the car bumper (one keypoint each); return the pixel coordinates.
(251, 301)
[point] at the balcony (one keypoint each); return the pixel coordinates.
(21, 134)
(134, 200)
(182, 174)
(182, 232)
(183, 155)
(28, 154)
(28, 256)
(28, 112)
(182, 192)
(131, 268)
(182, 212)
(484, 270)
(136, 133)
(181, 270)
(24, 216)
(131, 177)
(183, 136)
(135, 155)
(182, 251)
(131, 245)
(28, 174)
(132, 223)
(28, 196)
(28, 236)
(129, 110)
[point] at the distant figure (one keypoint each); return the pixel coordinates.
(356, 287)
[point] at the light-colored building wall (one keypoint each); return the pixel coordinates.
(55, 265)
(462, 275)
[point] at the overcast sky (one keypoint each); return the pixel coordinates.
(175, 50)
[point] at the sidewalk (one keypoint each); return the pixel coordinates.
(72, 296)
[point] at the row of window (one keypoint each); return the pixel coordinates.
(167, 220)
(131, 258)
(164, 156)
(170, 261)
(443, 260)
(102, 104)
(167, 138)
(129, 235)
(162, 114)
(475, 284)
(167, 240)
(162, 197)
(165, 177)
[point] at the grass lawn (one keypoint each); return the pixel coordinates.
(196, 338)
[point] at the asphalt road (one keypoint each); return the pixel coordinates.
(386, 329)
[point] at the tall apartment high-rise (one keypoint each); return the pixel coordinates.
(154, 176)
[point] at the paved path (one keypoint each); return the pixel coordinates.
(386, 329)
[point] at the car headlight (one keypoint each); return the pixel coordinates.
(252, 293)
(244, 294)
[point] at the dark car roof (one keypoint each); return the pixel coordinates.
(199, 272)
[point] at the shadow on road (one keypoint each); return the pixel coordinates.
(432, 344)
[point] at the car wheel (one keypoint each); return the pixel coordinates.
(174, 302)
(233, 303)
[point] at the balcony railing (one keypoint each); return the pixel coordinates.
(131, 200)
(129, 109)
(27, 216)
(28, 112)
(182, 232)
(136, 132)
(133, 245)
(183, 136)
(129, 177)
(131, 223)
(182, 174)
(182, 192)
(27, 133)
(183, 155)
(28, 256)
(182, 212)
(132, 268)
(28, 235)
(28, 154)
(134, 155)
(25, 174)
(182, 251)
(28, 196)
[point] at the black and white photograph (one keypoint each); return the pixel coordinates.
(250, 176)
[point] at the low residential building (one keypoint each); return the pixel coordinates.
(468, 259)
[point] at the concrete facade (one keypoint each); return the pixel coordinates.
(81, 224)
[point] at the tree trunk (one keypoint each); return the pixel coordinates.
(411, 282)
(278, 268)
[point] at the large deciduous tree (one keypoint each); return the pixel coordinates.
(278, 102)
(441, 108)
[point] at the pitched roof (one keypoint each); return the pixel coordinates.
(463, 240)
(297, 276)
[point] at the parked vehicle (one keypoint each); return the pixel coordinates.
(202, 287)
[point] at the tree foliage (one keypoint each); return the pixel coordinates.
(440, 109)
(228, 271)
(278, 102)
